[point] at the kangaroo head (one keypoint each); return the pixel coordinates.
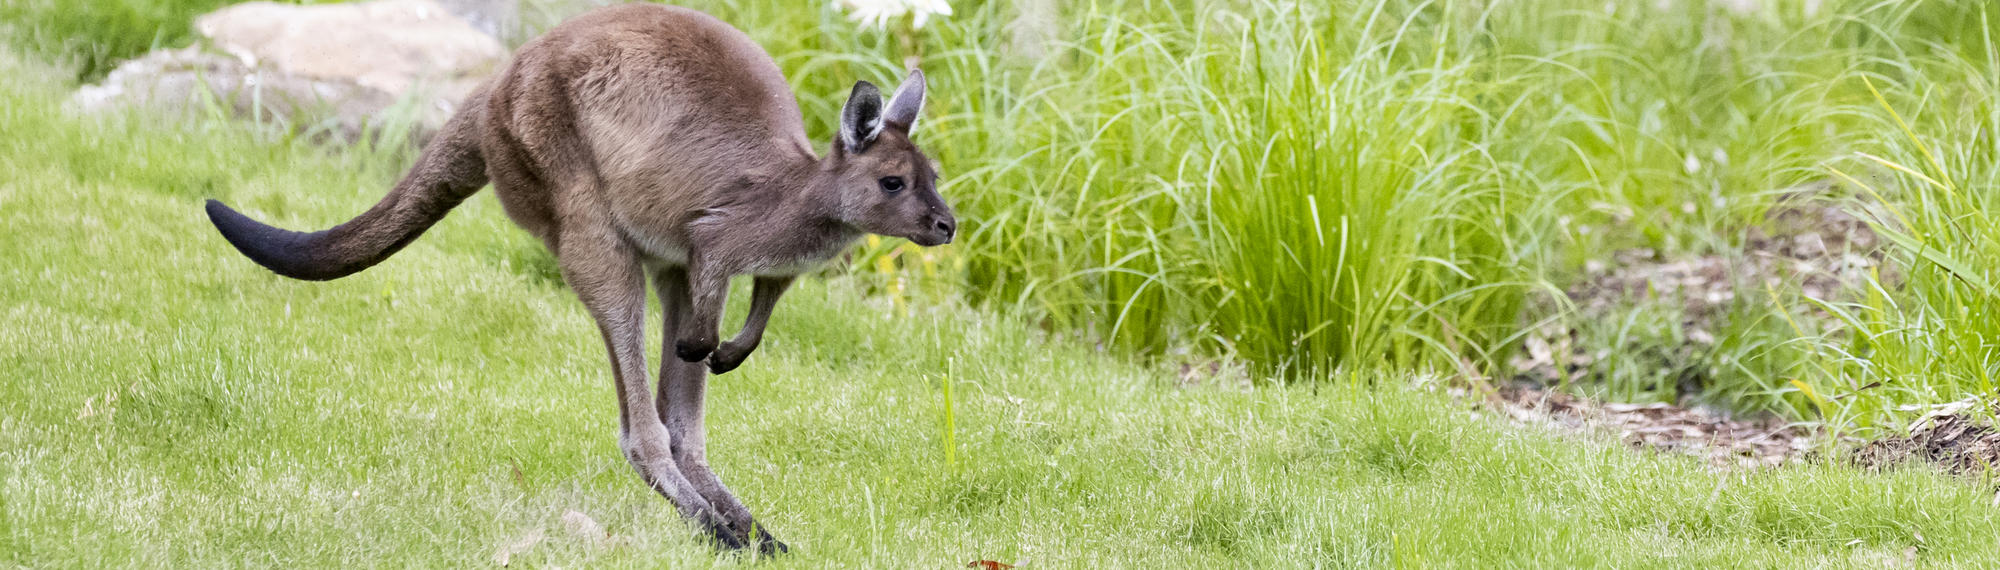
(885, 183)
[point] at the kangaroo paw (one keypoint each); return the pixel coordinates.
(693, 350)
(728, 357)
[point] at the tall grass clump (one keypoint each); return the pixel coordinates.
(1353, 211)
(1931, 331)
(1302, 187)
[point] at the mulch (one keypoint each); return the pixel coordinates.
(1818, 250)
(1720, 440)
(1958, 437)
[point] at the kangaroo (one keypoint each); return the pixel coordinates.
(646, 141)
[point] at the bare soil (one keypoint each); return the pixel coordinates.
(1958, 437)
(1724, 442)
(1819, 250)
(1815, 249)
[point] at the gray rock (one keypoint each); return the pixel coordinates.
(387, 44)
(498, 18)
(349, 65)
(195, 81)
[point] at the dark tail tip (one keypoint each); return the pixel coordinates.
(284, 252)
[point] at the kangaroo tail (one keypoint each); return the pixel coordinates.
(450, 170)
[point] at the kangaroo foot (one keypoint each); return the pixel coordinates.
(727, 357)
(721, 536)
(766, 544)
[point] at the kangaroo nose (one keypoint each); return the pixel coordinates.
(945, 227)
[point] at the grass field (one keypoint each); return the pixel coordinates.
(1361, 201)
(1406, 183)
(169, 404)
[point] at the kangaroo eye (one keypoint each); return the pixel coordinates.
(891, 184)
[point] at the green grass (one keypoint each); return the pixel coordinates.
(94, 36)
(166, 403)
(1928, 330)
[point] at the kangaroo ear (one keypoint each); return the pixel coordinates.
(861, 119)
(908, 104)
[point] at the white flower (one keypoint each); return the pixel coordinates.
(878, 13)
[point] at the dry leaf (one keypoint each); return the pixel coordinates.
(988, 565)
(520, 546)
(584, 527)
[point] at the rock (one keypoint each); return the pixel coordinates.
(195, 80)
(389, 45)
(346, 64)
(497, 18)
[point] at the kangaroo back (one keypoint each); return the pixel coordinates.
(450, 170)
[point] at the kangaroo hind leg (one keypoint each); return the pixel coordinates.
(683, 386)
(606, 275)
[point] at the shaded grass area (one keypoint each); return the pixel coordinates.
(166, 403)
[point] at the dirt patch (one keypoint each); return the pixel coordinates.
(1723, 442)
(1816, 250)
(1220, 373)
(1954, 436)
(1820, 250)
(1804, 247)
(1958, 437)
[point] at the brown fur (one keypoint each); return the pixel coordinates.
(647, 142)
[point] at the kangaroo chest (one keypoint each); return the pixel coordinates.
(755, 247)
